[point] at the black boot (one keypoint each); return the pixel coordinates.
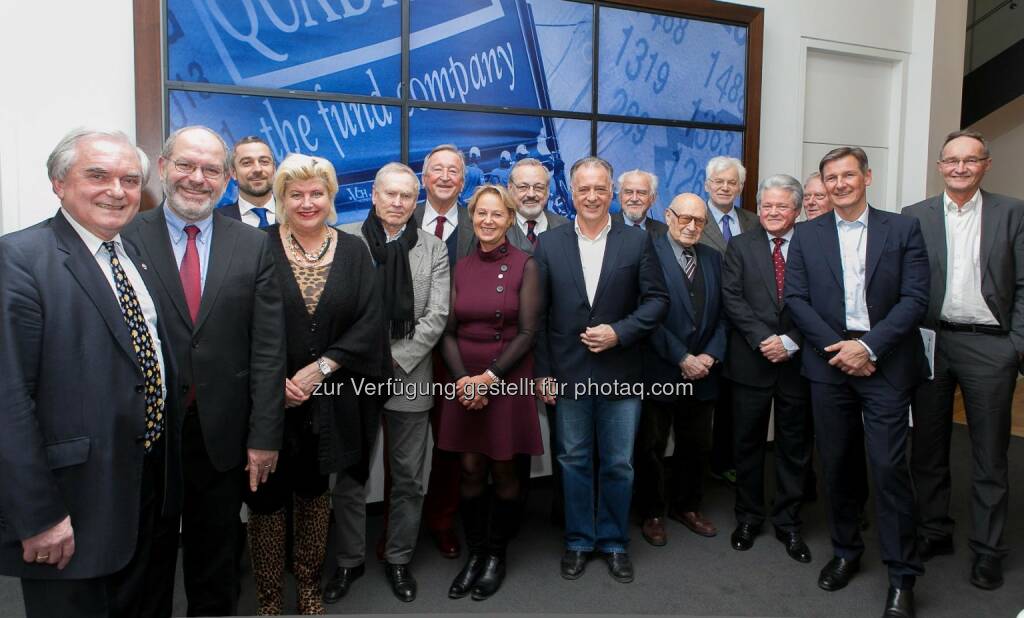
(504, 514)
(473, 512)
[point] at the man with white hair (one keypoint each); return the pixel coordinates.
(528, 184)
(638, 191)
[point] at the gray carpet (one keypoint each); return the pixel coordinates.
(691, 576)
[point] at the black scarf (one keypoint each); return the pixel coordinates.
(392, 259)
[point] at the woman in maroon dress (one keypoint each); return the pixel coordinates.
(495, 306)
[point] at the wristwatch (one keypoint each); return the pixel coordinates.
(325, 369)
(494, 377)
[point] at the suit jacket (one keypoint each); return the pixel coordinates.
(73, 408)
(431, 291)
(1001, 254)
(755, 313)
(518, 239)
(682, 332)
(896, 282)
(654, 227)
(630, 297)
(462, 240)
(712, 235)
(234, 354)
(230, 210)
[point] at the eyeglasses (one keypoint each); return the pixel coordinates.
(718, 182)
(686, 220)
(210, 172)
(969, 161)
(525, 188)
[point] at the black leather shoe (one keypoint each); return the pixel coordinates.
(899, 603)
(620, 567)
(403, 584)
(795, 546)
(464, 581)
(574, 563)
(341, 582)
(837, 573)
(987, 572)
(490, 579)
(743, 536)
(928, 548)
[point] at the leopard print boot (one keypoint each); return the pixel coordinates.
(266, 547)
(310, 529)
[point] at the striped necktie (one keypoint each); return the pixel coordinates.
(689, 263)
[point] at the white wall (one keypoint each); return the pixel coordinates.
(1004, 129)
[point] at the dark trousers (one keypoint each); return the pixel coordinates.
(124, 593)
(524, 466)
(689, 420)
(442, 500)
(210, 530)
(722, 457)
(752, 408)
(297, 473)
(838, 419)
(985, 368)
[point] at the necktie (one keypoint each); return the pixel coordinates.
(726, 229)
(439, 227)
(780, 267)
(262, 214)
(689, 263)
(189, 273)
(145, 351)
(530, 235)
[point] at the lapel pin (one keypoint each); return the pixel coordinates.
(143, 265)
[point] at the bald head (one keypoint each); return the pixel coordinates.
(686, 216)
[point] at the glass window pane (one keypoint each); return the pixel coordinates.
(493, 142)
(660, 66)
(510, 53)
(349, 47)
(357, 139)
(677, 156)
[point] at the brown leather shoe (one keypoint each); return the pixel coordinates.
(653, 530)
(447, 543)
(695, 521)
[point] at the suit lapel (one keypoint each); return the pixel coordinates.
(828, 236)
(157, 243)
(933, 228)
(572, 255)
(221, 253)
(609, 261)
(416, 255)
(713, 233)
(678, 285)
(991, 218)
(878, 229)
(765, 266)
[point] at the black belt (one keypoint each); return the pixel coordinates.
(855, 334)
(972, 328)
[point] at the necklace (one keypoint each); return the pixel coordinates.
(311, 258)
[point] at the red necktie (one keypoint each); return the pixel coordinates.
(439, 227)
(780, 267)
(189, 273)
(529, 231)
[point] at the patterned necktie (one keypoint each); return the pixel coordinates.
(262, 214)
(780, 267)
(145, 351)
(530, 235)
(189, 273)
(439, 227)
(726, 228)
(689, 263)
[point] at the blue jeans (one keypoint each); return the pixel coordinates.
(614, 424)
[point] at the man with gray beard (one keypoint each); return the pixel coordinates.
(529, 183)
(637, 192)
(225, 331)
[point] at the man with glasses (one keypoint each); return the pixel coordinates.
(637, 192)
(218, 275)
(252, 167)
(680, 369)
(529, 183)
(975, 245)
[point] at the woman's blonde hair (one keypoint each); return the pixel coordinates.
(300, 167)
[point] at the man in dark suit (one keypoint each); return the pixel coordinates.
(975, 245)
(529, 185)
(638, 191)
(252, 167)
(763, 344)
(604, 293)
(225, 329)
(682, 380)
(91, 423)
(863, 356)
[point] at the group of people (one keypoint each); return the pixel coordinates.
(163, 368)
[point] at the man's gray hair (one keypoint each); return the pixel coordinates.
(446, 148)
(651, 179)
(811, 177)
(718, 165)
(63, 155)
(782, 181)
(590, 162)
(396, 168)
(527, 162)
(172, 139)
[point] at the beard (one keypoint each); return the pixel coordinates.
(188, 210)
(248, 189)
(530, 210)
(634, 216)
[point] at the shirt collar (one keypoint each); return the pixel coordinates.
(93, 242)
(642, 225)
(950, 205)
(176, 226)
(863, 218)
(788, 236)
(601, 236)
(430, 215)
(521, 220)
(245, 206)
(718, 214)
(398, 234)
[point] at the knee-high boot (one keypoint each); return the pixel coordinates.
(266, 547)
(473, 512)
(310, 533)
(504, 514)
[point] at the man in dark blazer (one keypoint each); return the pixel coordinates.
(226, 331)
(764, 370)
(529, 184)
(682, 380)
(857, 288)
(252, 167)
(90, 416)
(975, 245)
(638, 191)
(604, 293)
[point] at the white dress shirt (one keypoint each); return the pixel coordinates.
(963, 303)
(251, 218)
(95, 246)
(853, 251)
(592, 256)
(542, 223)
(430, 220)
(787, 342)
